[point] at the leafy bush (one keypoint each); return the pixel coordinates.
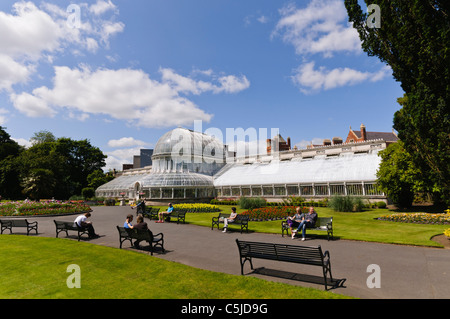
(42, 208)
(252, 203)
(224, 202)
(277, 212)
(381, 204)
(346, 204)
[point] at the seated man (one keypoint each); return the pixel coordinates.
(309, 221)
(81, 221)
(161, 214)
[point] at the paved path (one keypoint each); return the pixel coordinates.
(406, 272)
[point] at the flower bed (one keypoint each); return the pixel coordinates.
(447, 233)
(419, 218)
(198, 208)
(42, 208)
(266, 213)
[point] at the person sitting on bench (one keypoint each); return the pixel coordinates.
(230, 219)
(308, 221)
(161, 214)
(82, 222)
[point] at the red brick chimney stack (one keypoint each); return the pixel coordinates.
(363, 133)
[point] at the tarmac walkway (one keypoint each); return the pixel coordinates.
(406, 272)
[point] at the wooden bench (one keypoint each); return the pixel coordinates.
(66, 226)
(287, 253)
(150, 212)
(322, 223)
(141, 234)
(178, 213)
(10, 223)
(241, 220)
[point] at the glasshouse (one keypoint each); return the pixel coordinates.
(193, 166)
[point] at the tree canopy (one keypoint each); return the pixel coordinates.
(51, 167)
(414, 40)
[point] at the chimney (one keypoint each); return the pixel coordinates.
(289, 143)
(363, 132)
(337, 140)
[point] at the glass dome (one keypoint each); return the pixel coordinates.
(175, 179)
(183, 150)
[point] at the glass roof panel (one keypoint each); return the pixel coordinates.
(354, 167)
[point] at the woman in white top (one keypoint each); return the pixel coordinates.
(230, 219)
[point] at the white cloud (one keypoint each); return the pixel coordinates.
(126, 142)
(321, 27)
(312, 80)
(3, 119)
(31, 105)
(29, 34)
(101, 7)
(118, 157)
(12, 72)
(124, 94)
(24, 142)
(227, 84)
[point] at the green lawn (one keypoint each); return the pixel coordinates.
(351, 226)
(36, 267)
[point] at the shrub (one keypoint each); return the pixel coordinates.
(346, 204)
(252, 203)
(42, 208)
(277, 212)
(381, 204)
(223, 202)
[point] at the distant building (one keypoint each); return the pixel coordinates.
(363, 135)
(279, 144)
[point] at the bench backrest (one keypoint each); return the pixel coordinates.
(238, 217)
(66, 225)
(281, 252)
(144, 234)
(14, 222)
(323, 221)
(6, 222)
(123, 231)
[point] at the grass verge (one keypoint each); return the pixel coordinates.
(36, 268)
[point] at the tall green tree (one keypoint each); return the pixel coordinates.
(9, 168)
(414, 40)
(59, 168)
(397, 175)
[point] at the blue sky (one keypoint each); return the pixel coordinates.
(122, 73)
